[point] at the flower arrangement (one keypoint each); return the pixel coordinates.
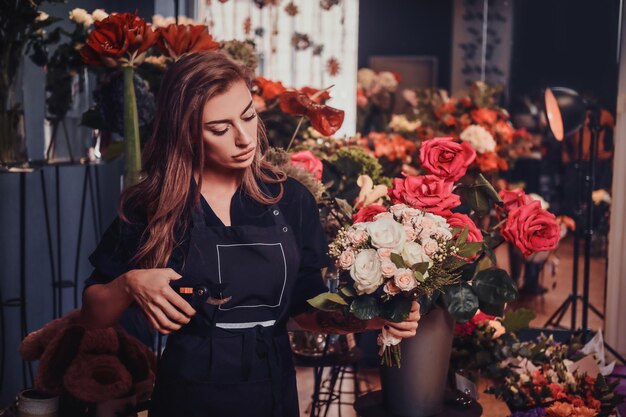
(415, 247)
(375, 99)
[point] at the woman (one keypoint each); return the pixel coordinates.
(218, 249)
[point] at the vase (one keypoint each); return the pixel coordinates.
(12, 132)
(417, 388)
(31, 403)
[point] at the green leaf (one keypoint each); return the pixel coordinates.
(473, 196)
(516, 320)
(487, 189)
(327, 301)
(397, 260)
(494, 286)
(452, 263)
(470, 249)
(365, 307)
(348, 291)
(419, 276)
(462, 236)
(397, 309)
(421, 267)
(461, 302)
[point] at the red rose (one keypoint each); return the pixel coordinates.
(446, 158)
(461, 220)
(309, 162)
(175, 40)
(531, 228)
(118, 35)
(427, 192)
(514, 198)
(366, 214)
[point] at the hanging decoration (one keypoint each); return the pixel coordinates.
(291, 9)
(300, 41)
(247, 25)
(318, 49)
(333, 66)
(328, 4)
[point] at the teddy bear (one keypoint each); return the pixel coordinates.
(92, 365)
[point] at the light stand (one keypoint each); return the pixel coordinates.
(567, 112)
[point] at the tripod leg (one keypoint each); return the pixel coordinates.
(559, 312)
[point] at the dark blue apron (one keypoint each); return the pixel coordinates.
(233, 360)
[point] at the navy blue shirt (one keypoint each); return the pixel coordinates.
(121, 240)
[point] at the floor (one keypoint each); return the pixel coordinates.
(559, 285)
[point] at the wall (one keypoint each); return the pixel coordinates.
(38, 272)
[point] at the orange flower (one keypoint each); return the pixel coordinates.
(490, 161)
(504, 131)
(557, 391)
(270, 89)
(560, 409)
(484, 116)
(175, 40)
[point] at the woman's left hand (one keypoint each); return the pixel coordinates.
(403, 329)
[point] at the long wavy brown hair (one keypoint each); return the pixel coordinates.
(175, 152)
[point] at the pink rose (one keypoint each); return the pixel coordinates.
(461, 220)
(390, 288)
(388, 268)
(514, 198)
(430, 246)
(532, 229)
(367, 213)
(427, 192)
(404, 279)
(309, 162)
(446, 158)
(346, 259)
(384, 253)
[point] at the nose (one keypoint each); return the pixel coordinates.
(243, 137)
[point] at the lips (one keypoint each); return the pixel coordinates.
(244, 154)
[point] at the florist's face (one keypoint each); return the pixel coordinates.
(230, 129)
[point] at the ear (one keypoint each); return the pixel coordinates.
(57, 357)
(35, 343)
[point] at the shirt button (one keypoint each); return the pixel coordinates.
(285, 229)
(276, 212)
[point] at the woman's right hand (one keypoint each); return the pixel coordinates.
(151, 290)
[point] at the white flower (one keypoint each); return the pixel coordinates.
(369, 193)
(411, 234)
(99, 14)
(42, 16)
(436, 226)
(410, 96)
(159, 61)
(387, 233)
(366, 272)
(386, 339)
(383, 215)
(413, 253)
(430, 246)
(384, 253)
(524, 378)
(81, 17)
(544, 204)
(159, 21)
(400, 123)
(387, 81)
(346, 259)
(357, 235)
(398, 209)
(366, 77)
(601, 196)
(412, 214)
(388, 268)
(498, 328)
(479, 138)
(404, 279)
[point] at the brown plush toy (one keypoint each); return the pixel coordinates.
(92, 365)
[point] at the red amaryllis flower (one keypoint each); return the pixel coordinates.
(121, 36)
(175, 40)
(321, 97)
(367, 213)
(270, 89)
(427, 192)
(325, 119)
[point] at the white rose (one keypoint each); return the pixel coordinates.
(383, 215)
(398, 209)
(443, 233)
(365, 77)
(387, 233)
(390, 288)
(404, 279)
(366, 272)
(81, 17)
(388, 268)
(99, 14)
(480, 139)
(430, 246)
(42, 16)
(412, 215)
(346, 259)
(388, 81)
(386, 339)
(413, 253)
(498, 328)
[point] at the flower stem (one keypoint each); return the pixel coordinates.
(132, 149)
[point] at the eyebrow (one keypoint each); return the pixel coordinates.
(229, 120)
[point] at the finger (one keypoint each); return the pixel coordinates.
(154, 325)
(414, 316)
(404, 325)
(178, 301)
(171, 274)
(415, 306)
(163, 321)
(403, 334)
(171, 312)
